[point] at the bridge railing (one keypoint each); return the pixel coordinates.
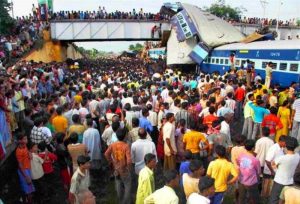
(165, 21)
(108, 20)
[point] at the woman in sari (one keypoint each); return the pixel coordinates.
(284, 113)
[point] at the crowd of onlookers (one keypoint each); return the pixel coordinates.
(267, 21)
(185, 124)
(20, 39)
(101, 13)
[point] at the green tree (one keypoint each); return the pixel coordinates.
(136, 48)
(6, 21)
(222, 10)
(81, 50)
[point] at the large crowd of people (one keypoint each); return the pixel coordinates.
(101, 13)
(267, 21)
(114, 111)
(20, 40)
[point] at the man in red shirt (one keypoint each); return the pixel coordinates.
(209, 119)
(239, 97)
(272, 122)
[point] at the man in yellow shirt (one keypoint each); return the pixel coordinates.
(283, 95)
(291, 194)
(146, 179)
(59, 122)
(166, 194)
(192, 139)
(220, 170)
(78, 97)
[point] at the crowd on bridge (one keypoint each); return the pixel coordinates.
(267, 21)
(101, 13)
(186, 125)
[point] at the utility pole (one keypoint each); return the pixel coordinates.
(264, 4)
(12, 9)
(278, 14)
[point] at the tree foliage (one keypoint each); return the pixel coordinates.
(6, 21)
(93, 53)
(222, 10)
(136, 48)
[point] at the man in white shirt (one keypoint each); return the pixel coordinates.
(80, 180)
(91, 138)
(206, 190)
(152, 117)
(45, 129)
(165, 93)
(273, 101)
(263, 145)
(268, 78)
(225, 128)
(93, 107)
(275, 151)
(140, 148)
(169, 143)
(230, 103)
(127, 99)
(205, 111)
(175, 107)
(296, 118)
(154, 122)
(83, 111)
(286, 166)
(229, 88)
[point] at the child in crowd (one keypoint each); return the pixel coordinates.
(49, 158)
(64, 160)
(37, 174)
(24, 168)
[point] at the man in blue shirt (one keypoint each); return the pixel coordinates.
(193, 83)
(258, 115)
(223, 110)
(144, 122)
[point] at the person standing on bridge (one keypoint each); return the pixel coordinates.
(268, 78)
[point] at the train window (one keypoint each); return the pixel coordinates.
(237, 63)
(294, 67)
(212, 60)
(221, 61)
(209, 60)
(217, 61)
(243, 62)
(226, 61)
(283, 66)
(264, 65)
(274, 66)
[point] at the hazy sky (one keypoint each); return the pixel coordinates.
(288, 10)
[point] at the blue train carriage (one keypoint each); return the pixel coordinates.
(154, 53)
(284, 54)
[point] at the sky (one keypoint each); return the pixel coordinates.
(289, 9)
